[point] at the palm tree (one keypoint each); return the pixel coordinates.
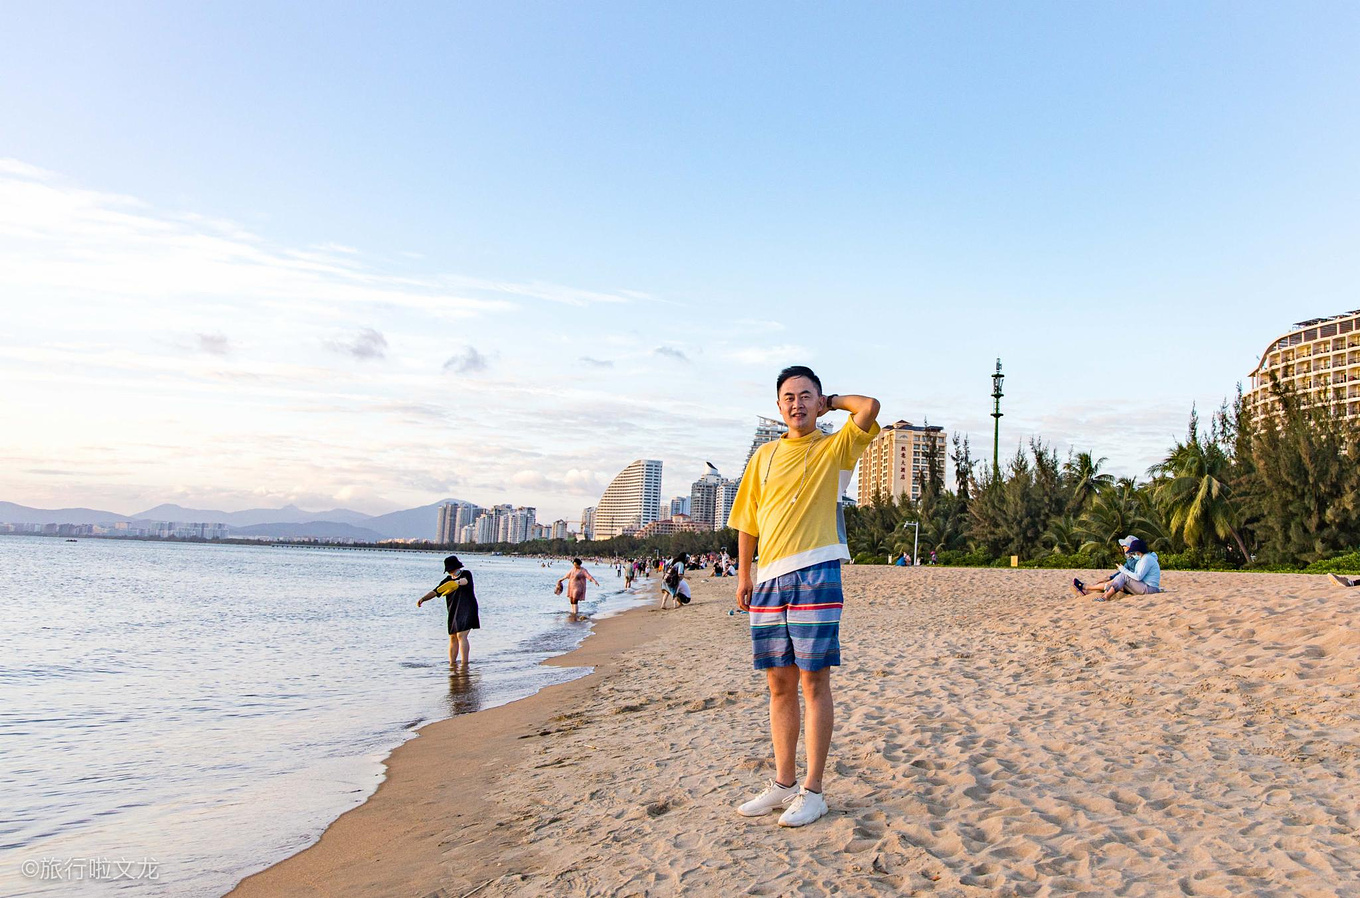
(1084, 474)
(1063, 535)
(1192, 486)
(1114, 512)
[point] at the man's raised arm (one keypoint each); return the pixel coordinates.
(864, 409)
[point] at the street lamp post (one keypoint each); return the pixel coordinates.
(915, 540)
(997, 378)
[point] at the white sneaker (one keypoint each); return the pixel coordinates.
(804, 809)
(774, 796)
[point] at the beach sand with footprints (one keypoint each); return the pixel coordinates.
(995, 736)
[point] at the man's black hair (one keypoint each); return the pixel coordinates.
(576, 561)
(452, 564)
(797, 371)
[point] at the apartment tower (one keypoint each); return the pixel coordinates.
(898, 459)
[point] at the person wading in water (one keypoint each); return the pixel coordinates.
(461, 600)
(576, 583)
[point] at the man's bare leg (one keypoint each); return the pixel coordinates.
(820, 722)
(783, 682)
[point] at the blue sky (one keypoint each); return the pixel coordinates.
(255, 253)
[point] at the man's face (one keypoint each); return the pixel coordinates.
(799, 403)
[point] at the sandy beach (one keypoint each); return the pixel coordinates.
(994, 736)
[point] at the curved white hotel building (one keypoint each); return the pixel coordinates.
(632, 501)
(1319, 359)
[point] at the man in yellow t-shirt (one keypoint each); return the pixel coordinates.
(788, 503)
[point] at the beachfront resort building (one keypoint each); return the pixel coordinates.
(632, 500)
(1319, 360)
(898, 460)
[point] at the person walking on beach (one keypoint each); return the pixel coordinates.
(461, 600)
(576, 583)
(788, 504)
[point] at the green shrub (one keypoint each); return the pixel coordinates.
(1082, 561)
(870, 558)
(1197, 559)
(960, 558)
(1348, 563)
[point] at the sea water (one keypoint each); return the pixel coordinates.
(174, 716)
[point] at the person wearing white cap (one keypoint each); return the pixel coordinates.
(1140, 575)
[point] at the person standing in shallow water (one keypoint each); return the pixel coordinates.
(576, 583)
(461, 601)
(787, 506)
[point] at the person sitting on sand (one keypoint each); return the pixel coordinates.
(457, 590)
(1144, 578)
(674, 579)
(576, 583)
(1338, 580)
(787, 502)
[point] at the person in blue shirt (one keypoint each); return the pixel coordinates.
(1142, 577)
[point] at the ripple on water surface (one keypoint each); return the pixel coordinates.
(213, 708)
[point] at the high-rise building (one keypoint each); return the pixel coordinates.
(710, 499)
(588, 522)
(632, 500)
(678, 505)
(453, 517)
(770, 429)
(484, 530)
(726, 495)
(703, 497)
(559, 530)
(898, 460)
(1319, 360)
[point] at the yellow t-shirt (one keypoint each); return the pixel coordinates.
(788, 498)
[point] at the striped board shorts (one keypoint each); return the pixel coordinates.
(796, 619)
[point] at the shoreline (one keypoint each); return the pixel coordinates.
(993, 735)
(415, 855)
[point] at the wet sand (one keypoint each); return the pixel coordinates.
(994, 736)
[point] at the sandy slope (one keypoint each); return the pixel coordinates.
(994, 736)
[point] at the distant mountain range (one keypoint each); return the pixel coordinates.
(285, 523)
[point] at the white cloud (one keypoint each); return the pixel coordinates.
(216, 368)
(784, 354)
(367, 344)
(56, 237)
(466, 361)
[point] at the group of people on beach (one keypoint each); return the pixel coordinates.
(1140, 575)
